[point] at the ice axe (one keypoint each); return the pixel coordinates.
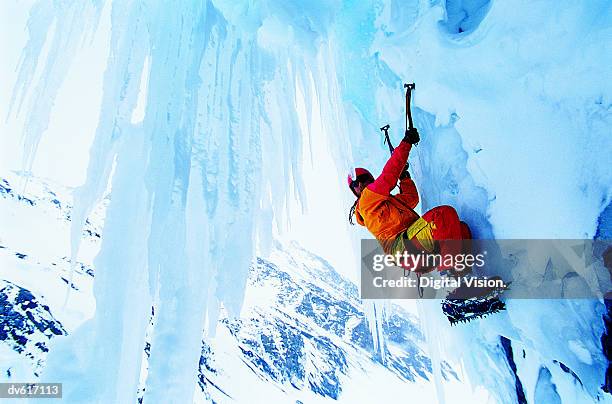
(409, 125)
(387, 140)
(409, 87)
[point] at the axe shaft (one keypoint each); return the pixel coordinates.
(409, 88)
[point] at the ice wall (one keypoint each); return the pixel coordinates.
(200, 140)
(514, 121)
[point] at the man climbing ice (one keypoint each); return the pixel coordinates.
(398, 228)
(392, 219)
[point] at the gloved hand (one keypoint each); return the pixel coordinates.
(411, 136)
(405, 173)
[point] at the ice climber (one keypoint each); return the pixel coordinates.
(392, 219)
(399, 229)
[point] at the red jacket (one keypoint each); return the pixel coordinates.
(387, 215)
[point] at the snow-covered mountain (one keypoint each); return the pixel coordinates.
(302, 334)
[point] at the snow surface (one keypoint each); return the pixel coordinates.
(206, 119)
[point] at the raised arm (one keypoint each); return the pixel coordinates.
(387, 180)
(408, 193)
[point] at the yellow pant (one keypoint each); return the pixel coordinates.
(421, 230)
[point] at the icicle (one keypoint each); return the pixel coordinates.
(72, 22)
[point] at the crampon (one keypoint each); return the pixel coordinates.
(465, 309)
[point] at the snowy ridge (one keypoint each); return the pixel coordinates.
(303, 328)
(317, 327)
(27, 325)
(38, 193)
